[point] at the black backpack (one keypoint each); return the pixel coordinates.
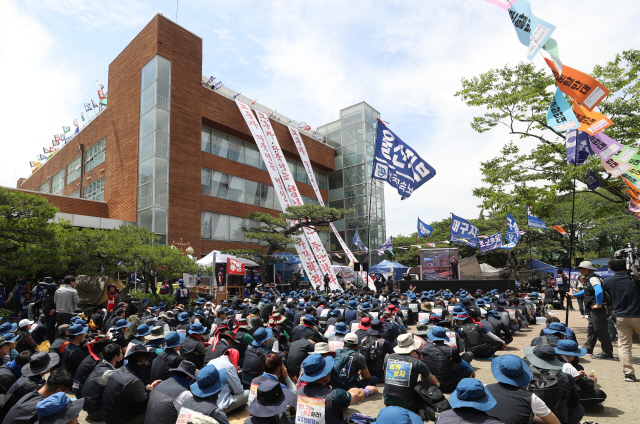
(432, 401)
(369, 349)
(474, 338)
(344, 365)
(547, 385)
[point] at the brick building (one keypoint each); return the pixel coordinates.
(172, 154)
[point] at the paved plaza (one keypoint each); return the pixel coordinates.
(618, 408)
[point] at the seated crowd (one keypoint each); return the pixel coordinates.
(301, 356)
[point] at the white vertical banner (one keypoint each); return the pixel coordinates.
(302, 151)
(295, 199)
(305, 253)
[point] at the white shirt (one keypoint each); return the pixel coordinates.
(538, 407)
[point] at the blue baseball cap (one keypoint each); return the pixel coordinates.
(174, 338)
(471, 393)
(58, 409)
(438, 333)
(510, 369)
(209, 381)
(316, 367)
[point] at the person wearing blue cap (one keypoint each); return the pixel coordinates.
(397, 415)
(444, 361)
(170, 357)
(514, 403)
(252, 366)
(336, 340)
(193, 347)
(73, 354)
(181, 294)
(306, 329)
(551, 334)
(495, 326)
(167, 398)
(567, 351)
(59, 409)
(183, 319)
(205, 390)
(469, 402)
(352, 312)
(119, 328)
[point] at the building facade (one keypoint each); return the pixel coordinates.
(174, 155)
(353, 137)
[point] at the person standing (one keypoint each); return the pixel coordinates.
(594, 303)
(625, 295)
(580, 287)
(66, 300)
(535, 283)
(563, 288)
(454, 269)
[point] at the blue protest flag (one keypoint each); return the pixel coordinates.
(387, 245)
(513, 232)
(591, 180)
(463, 231)
(535, 222)
(424, 230)
(397, 164)
(356, 240)
(578, 140)
(491, 243)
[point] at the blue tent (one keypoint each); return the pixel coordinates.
(384, 267)
(540, 266)
(285, 263)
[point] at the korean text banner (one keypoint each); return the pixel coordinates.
(591, 180)
(535, 222)
(513, 235)
(491, 243)
(424, 230)
(578, 147)
(396, 163)
(604, 146)
(532, 32)
(463, 231)
(590, 120)
(578, 85)
(560, 116)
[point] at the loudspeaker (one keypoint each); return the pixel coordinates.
(577, 262)
(364, 266)
(565, 263)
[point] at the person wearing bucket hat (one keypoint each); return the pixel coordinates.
(515, 404)
(402, 369)
(205, 390)
(469, 402)
(125, 396)
(567, 351)
(351, 312)
(93, 388)
(271, 404)
(166, 400)
(336, 340)
(181, 294)
(73, 354)
(445, 362)
(565, 401)
(170, 357)
(306, 330)
(183, 319)
(119, 329)
(495, 326)
(193, 346)
(252, 366)
(58, 409)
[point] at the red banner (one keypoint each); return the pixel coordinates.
(234, 267)
(560, 230)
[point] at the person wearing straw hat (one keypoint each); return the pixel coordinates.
(125, 396)
(402, 369)
(205, 390)
(515, 405)
(469, 402)
(59, 409)
(594, 303)
(271, 404)
(73, 354)
(93, 387)
(166, 400)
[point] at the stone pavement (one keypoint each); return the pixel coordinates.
(617, 409)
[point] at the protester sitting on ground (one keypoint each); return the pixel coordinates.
(476, 338)
(382, 346)
(547, 330)
(274, 369)
(551, 335)
(166, 399)
(233, 395)
(314, 391)
(12, 371)
(193, 346)
(306, 329)
(271, 404)
(444, 361)
(73, 354)
(89, 363)
(544, 365)
(402, 369)
(253, 356)
(298, 352)
(470, 402)
(493, 323)
(205, 391)
(351, 366)
(515, 405)
(169, 358)
(25, 342)
(567, 350)
(397, 415)
(58, 409)
(95, 383)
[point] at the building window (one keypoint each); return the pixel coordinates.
(57, 182)
(95, 190)
(44, 188)
(73, 169)
(95, 155)
(75, 194)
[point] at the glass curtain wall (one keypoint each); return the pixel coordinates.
(153, 146)
(353, 137)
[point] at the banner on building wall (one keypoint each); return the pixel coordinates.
(302, 151)
(291, 190)
(303, 249)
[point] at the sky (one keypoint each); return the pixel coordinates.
(307, 60)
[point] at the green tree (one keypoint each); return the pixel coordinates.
(279, 231)
(532, 168)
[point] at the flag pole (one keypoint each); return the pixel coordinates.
(573, 231)
(449, 247)
(369, 223)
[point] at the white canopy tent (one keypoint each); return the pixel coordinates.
(221, 258)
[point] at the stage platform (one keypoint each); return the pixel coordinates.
(454, 285)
